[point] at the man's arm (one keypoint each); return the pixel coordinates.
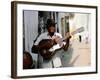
(65, 47)
(67, 40)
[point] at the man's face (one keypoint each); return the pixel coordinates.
(51, 30)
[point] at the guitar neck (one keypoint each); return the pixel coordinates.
(81, 29)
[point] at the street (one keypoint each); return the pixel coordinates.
(81, 54)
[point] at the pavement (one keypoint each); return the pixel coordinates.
(81, 53)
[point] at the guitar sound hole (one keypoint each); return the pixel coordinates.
(44, 51)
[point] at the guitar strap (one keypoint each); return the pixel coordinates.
(36, 38)
(34, 48)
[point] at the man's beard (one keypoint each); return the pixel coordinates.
(51, 33)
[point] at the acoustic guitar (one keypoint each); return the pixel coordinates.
(47, 47)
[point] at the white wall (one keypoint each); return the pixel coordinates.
(81, 20)
(30, 29)
(5, 41)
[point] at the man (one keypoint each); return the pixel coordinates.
(56, 39)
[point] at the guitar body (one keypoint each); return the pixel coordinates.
(44, 46)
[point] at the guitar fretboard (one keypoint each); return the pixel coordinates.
(81, 29)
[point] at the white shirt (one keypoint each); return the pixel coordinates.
(56, 61)
(46, 36)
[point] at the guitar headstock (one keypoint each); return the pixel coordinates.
(81, 29)
(68, 34)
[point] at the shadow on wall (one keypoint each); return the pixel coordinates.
(66, 57)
